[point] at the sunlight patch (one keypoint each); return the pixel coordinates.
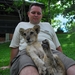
(64, 45)
(68, 36)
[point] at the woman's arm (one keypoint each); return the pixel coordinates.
(59, 48)
(14, 52)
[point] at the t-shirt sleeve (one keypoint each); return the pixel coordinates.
(16, 37)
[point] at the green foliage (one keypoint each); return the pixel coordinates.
(56, 7)
(9, 10)
(52, 8)
(18, 3)
(2, 6)
(56, 23)
(70, 26)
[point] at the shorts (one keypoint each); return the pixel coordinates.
(19, 62)
(22, 60)
(68, 62)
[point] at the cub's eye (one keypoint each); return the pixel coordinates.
(31, 33)
(24, 34)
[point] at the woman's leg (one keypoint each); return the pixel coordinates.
(68, 62)
(29, 70)
(71, 70)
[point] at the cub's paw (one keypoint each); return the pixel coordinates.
(45, 44)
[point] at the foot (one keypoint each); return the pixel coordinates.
(45, 44)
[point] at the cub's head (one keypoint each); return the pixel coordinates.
(30, 35)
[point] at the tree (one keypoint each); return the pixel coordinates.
(51, 10)
(16, 5)
(19, 6)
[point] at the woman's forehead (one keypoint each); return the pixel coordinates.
(35, 8)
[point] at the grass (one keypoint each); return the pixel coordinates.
(5, 72)
(4, 54)
(4, 57)
(67, 42)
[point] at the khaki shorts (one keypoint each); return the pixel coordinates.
(22, 60)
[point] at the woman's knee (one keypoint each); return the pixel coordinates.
(29, 70)
(71, 70)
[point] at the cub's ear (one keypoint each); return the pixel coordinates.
(21, 31)
(37, 28)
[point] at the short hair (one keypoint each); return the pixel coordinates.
(36, 4)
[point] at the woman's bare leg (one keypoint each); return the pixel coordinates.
(29, 70)
(71, 70)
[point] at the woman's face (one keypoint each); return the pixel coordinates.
(35, 14)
